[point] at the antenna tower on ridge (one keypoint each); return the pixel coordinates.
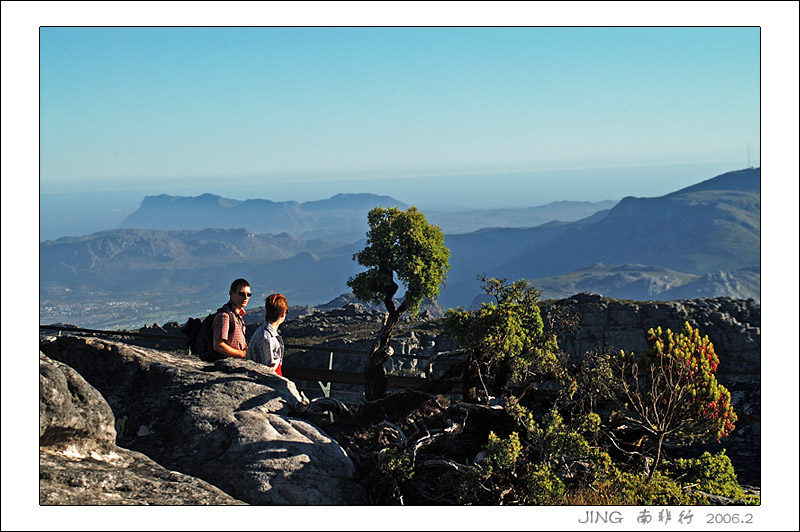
(748, 155)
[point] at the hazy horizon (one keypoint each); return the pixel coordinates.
(92, 209)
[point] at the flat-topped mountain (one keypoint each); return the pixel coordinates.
(343, 215)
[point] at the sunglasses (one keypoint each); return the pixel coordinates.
(245, 294)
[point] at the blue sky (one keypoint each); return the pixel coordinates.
(309, 104)
(439, 117)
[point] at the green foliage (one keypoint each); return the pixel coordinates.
(522, 416)
(592, 384)
(543, 486)
(677, 484)
(510, 328)
(569, 444)
(711, 473)
(591, 423)
(404, 245)
(627, 488)
(388, 476)
(523, 466)
(506, 337)
(501, 455)
(554, 440)
(601, 464)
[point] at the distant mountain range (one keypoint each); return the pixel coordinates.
(342, 217)
(472, 220)
(701, 241)
(704, 229)
(641, 282)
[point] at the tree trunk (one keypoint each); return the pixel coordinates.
(375, 381)
(502, 378)
(471, 381)
(658, 456)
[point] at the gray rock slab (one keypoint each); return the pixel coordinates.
(79, 464)
(231, 423)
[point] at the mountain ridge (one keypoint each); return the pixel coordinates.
(696, 231)
(698, 242)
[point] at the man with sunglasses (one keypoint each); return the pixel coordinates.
(229, 330)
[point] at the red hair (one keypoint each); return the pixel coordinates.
(275, 305)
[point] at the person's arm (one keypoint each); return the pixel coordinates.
(223, 348)
(221, 345)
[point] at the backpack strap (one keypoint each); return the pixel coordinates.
(231, 324)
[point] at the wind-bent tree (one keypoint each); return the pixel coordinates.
(401, 246)
(505, 338)
(671, 391)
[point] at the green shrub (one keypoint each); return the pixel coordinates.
(521, 416)
(500, 455)
(391, 471)
(635, 489)
(711, 473)
(543, 486)
(505, 338)
(555, 440)
(590, 424)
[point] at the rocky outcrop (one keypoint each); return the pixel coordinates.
(232, 424)
(79, 462)
(733, 325)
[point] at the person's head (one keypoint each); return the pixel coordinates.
(240, 293)
(275, 307)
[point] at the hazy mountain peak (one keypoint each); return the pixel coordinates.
(344, 216)
(746, 180)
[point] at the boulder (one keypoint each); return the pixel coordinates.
(79, 463)
(232, 424)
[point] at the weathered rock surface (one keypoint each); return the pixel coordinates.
(79, 463)
(733, 325)
(229, 423)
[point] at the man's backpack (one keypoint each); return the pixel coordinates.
(200, 336)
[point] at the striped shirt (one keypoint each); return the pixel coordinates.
(222, 325)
